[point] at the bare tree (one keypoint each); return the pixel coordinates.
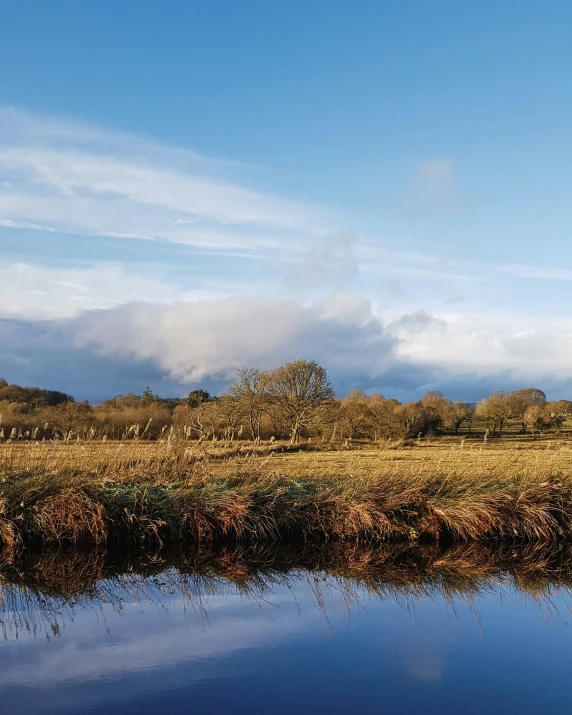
(520, 400)
(385, 420)
(200, 420)
(69, 417)
(247, 391)
(534, 418)
(411, 416)
(558, 412)
(460, 412)
(230, 416)
(299, 391)
(355, 414)
(437, 409)
(496, 409)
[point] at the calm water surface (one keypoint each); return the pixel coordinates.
(343, 637)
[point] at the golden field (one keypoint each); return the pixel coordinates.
(455, 489)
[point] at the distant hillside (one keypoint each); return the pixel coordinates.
(33, 396)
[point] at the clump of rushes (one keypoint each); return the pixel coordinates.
(111, 493)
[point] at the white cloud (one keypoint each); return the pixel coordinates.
(79, 179)
(207, 338)
(22, 128)
(539, 272)
(32, 292)
(8, 223)
(534, 346)
(191, 341)
(207, 332)
(415, 324)
(73, 174)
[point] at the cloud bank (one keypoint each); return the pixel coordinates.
(177, 345)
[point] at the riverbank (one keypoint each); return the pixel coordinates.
(98, 494)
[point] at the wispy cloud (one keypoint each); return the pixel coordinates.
(329, 262)
(545, 273)
(8, 223)
(79, 179)
(434, 194)
(35, 292)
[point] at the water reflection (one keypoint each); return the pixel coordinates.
(39, 592)
(335, 628)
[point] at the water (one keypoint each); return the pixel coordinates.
(342, 630)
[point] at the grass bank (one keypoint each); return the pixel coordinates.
(103, 493)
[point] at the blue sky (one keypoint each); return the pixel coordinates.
(186, 187)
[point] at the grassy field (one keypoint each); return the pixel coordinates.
(153, 493)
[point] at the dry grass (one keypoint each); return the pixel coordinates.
(153, 493)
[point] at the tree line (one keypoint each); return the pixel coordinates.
(291, 402)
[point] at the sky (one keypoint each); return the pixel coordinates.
(187, 187)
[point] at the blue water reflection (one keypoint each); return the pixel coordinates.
(307, 642)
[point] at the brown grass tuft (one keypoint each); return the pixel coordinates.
(69, 517)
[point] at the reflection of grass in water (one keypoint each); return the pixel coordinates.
(38, 593)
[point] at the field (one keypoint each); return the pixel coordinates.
(152, 493)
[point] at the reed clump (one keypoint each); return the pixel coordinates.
(153, 494)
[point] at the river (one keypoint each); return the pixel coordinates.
(334, 630)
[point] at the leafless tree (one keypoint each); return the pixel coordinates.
(299, 391)
(520, 400)
(460, 412)
(495, 409)
(355, 414)
(247, 391)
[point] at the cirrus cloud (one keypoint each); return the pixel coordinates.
(64, 176)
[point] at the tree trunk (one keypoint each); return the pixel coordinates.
(295, 434)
